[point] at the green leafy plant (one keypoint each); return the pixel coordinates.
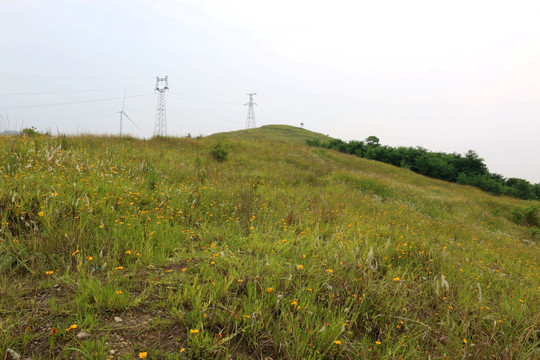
(219, 153)
(531, 216)
(30, 132)
(526, 216)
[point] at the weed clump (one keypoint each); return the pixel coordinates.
(30, 132)
(528, 216)
(219, 153)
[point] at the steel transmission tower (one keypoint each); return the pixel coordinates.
(160, 128)
(250, 122)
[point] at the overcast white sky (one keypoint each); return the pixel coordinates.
(446, 75)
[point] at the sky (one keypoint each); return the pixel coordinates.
(445, 75)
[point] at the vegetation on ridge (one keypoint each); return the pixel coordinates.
(274, 133)
(468, 169)
(163, 249)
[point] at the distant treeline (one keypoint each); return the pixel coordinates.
(468, 169)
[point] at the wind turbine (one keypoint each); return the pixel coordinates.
(123, 113)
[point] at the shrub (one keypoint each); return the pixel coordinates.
(530, 216)
(31, 131)
(517, 215)
(64, 145)
(219, 153)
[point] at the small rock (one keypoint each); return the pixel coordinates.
(118, 319)
(112, 352)
(12, 355)
(82, 335)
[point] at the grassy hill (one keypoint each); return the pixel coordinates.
(121, 248)
(279, 133)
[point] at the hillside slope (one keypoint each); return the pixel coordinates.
(279, 133)
(280, 251)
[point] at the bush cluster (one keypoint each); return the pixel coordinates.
(31, 131)
(467, 169)
(219, 153)
(529, 216)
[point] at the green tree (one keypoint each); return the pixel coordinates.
(372, 141)
(520, 188)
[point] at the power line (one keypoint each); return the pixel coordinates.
(200, 99)
(65, 77)
(191, 91)
(206, 93)
(267, 114)
(67, 91)
(69, 103)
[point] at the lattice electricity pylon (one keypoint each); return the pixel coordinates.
(250, 122)
(160, 127)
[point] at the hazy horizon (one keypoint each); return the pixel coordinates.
(445, 76)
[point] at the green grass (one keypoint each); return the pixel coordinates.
(280, 251)
(274, 133)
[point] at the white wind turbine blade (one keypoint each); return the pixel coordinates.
(124, 102)
(133, 122)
